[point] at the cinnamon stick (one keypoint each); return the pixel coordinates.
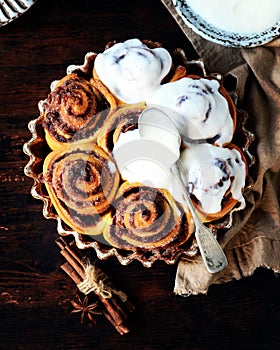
(74, 264)
(114, 308)
(72, 257)
(121, 328)
(66, 267)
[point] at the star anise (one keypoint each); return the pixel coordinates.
(85, 309)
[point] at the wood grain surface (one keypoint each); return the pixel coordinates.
(35, 293)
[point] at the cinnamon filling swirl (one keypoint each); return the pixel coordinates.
(144, 217)
(72, 111)
(81, 181)
(122, 120)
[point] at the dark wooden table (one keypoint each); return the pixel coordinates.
(35, 293)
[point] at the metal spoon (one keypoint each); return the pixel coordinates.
(153, 124)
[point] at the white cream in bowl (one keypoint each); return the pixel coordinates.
(238, 16)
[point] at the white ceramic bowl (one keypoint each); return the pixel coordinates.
(214, 34)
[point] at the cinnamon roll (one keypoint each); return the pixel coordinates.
(146, 217)
(73, 110)
(131, 70)
(215, 178)
(120, 121)
(81, 180)
(201, 109)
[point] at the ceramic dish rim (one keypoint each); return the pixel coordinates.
(222, 37)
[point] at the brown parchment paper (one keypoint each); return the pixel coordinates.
(254, 239)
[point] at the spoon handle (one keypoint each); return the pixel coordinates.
(211, 251)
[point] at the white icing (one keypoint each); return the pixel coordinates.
(238, 16)
(196, 107)
(131, 70)
(147, 172)
(155, 125)
(112, 167)
(210, 171)
(126, 137)
(141, 160)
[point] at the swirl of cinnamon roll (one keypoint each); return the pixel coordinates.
(201, 109)
(145, 217)
(131, 70)
(215, 178)
(124, 119)
(81, 180)
(73, 109)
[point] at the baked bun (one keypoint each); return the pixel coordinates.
(132, 70)
(122, 120)
(81, 180)
(146, 217)
(201, 108)
(73, 109)
(214, 177)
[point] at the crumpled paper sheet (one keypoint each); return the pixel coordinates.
(254, 239)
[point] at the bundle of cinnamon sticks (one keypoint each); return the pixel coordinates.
(115, 304)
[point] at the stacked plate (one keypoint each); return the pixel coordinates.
(11, 9)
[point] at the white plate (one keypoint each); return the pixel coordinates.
(12, 9)
(212, 33)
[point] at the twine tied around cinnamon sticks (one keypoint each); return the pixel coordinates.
(91, 279)
(95, 281)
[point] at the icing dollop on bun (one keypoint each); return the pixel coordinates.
(198, 109)
(210, 173)
(139, 164)
(131, 70)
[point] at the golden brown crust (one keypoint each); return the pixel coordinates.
(145, 217)
(81, 181)
(121, 120)
(73, 109)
